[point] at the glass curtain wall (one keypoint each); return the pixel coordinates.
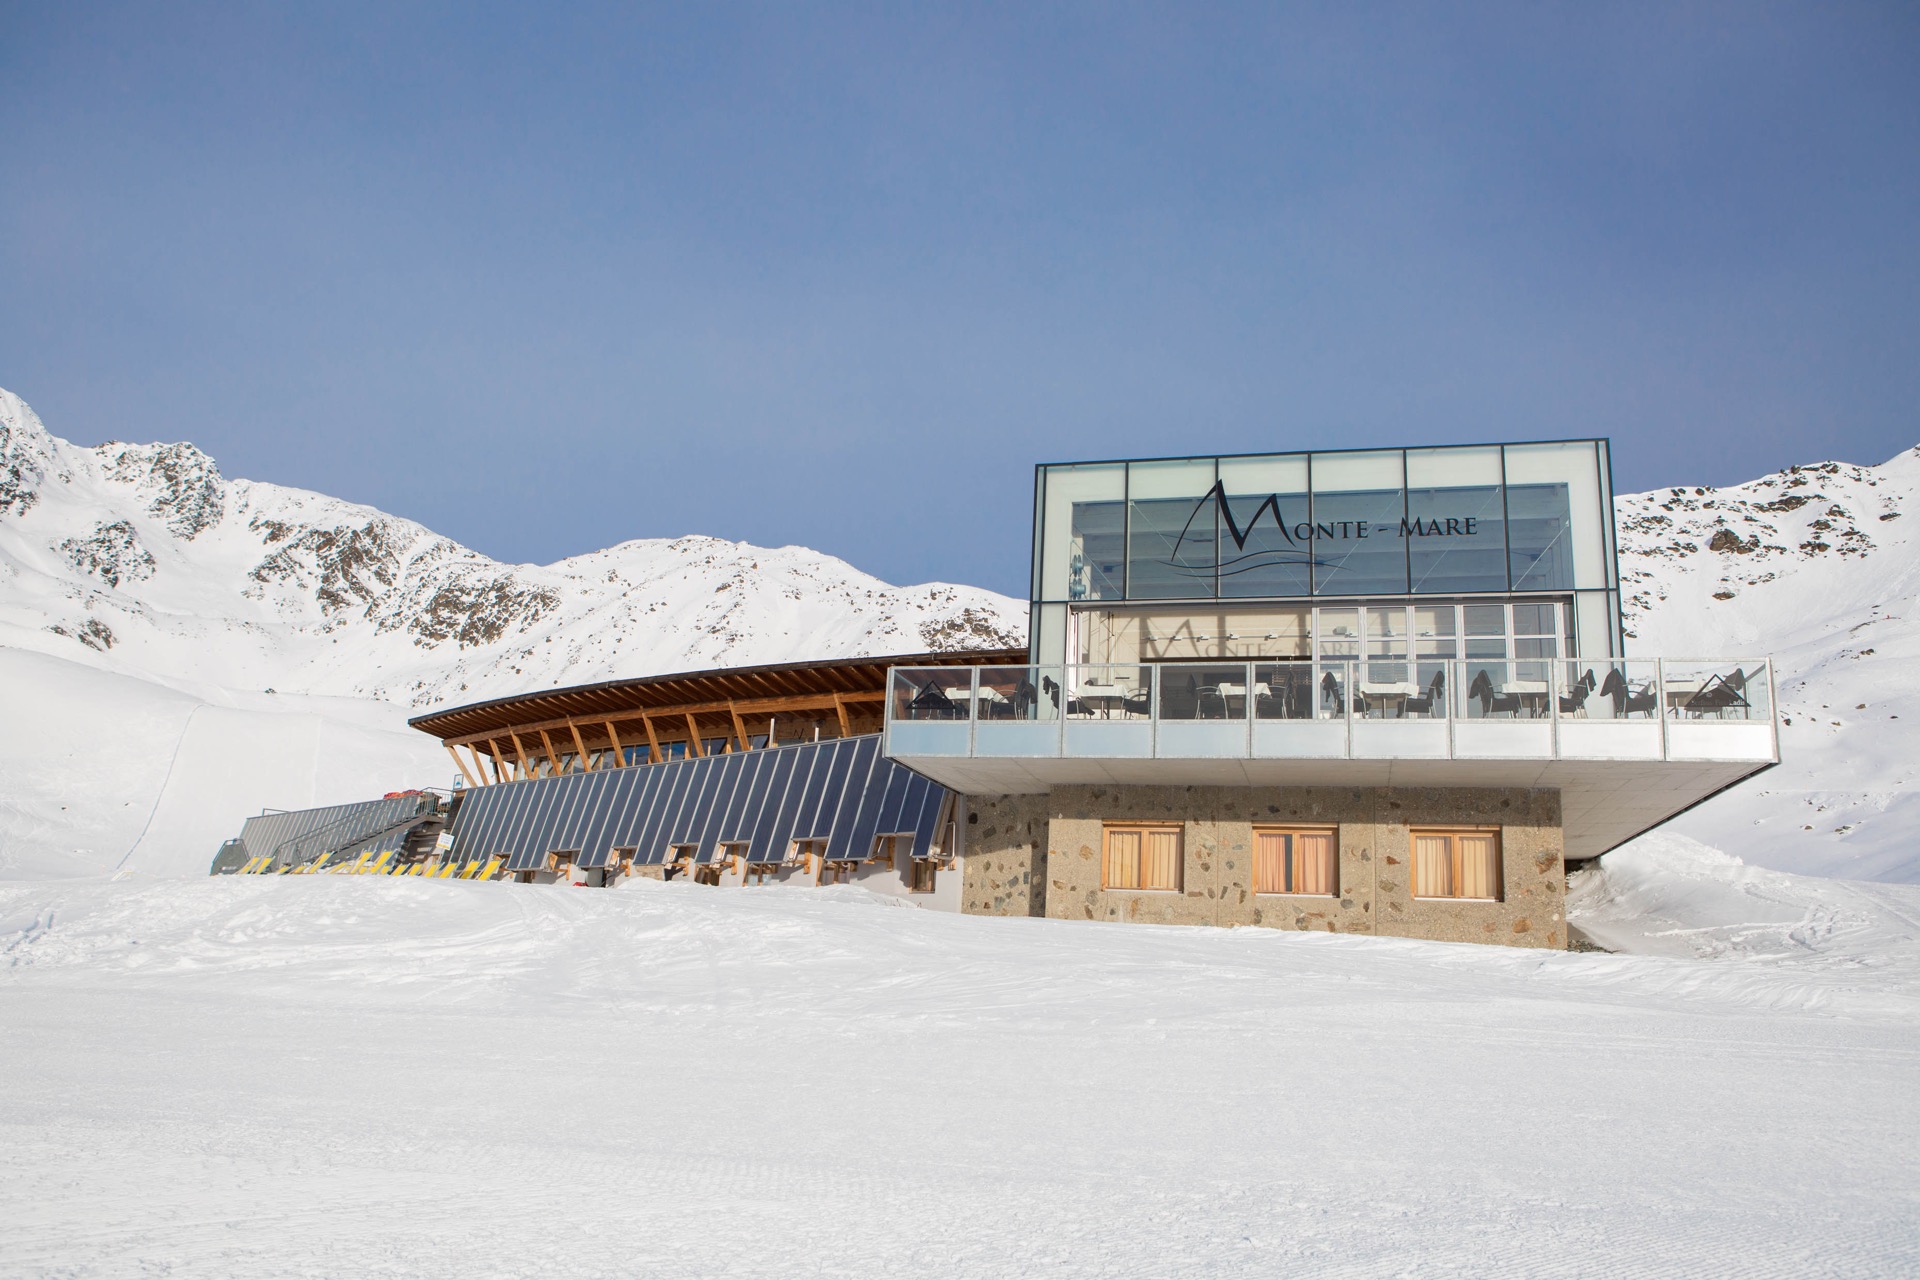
(1363, 526)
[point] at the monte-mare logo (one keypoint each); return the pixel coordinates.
(1308, 532)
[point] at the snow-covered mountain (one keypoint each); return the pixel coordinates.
(1816, 567)
(144, 559)
(309, 627)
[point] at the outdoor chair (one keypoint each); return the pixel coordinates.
(1574, 702)
(1626, 699)
(1330, 693)
(1207, 697)
(1435, 696)
(1492, 702)
(1025, 698)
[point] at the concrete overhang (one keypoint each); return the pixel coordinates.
(1603, 803)
(1615, 781)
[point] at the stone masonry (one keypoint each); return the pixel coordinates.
(1002, 873)
(1375, 859)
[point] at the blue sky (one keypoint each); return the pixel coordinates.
(548, 278)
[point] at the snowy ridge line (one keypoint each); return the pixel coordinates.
(145, 559)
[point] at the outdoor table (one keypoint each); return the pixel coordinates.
(1104, 695)
(1393, 693)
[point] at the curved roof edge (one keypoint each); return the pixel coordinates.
(739, 681)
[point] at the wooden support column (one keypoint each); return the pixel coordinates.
(619, 752)
(579, 745)
(553, 757)
(653, 742)
(526, 770)
(500, 771)
(693, 737)
(478, 766)
(739, 726)
(840, 709)
(462, 766)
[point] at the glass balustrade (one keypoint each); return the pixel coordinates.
(1361, 688)
(1710, 690)
(1108, 692)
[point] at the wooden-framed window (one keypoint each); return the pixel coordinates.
(1456, 863)
(1299, 860)
(1139, 856)
(921, 874)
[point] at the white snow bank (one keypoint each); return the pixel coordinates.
(105, 771)
(330, 1076)
(1795, 936)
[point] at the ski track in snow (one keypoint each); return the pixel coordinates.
(337, 1075)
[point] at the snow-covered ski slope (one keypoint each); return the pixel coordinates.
(120, 774)
(348, 1076)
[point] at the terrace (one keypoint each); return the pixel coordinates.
(1629, 743)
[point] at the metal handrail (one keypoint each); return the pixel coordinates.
(1540, 700)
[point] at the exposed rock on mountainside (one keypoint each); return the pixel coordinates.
(1824, 512)
(180, 484)
(112, 554)
(26, 452)
(186, 576)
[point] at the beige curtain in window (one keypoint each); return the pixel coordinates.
(1123, 860)
(1479, 867)
(1432, 867)
(1270, 862)
(1313, 863)
(1160, 867)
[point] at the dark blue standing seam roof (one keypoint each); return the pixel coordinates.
(640, 830)
(726, 780)
(841, 790)
(651, 838)
(762, 846)
(893, 804)
(747, 798)
(851, 836)
(823, 798)
(615, 797)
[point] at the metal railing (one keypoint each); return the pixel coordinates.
(1364, 689)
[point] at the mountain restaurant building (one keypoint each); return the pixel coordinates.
(1377, 691)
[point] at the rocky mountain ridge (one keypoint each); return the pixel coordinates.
(149, 559)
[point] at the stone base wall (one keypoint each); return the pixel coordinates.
(1375, 859)
(1002, 870)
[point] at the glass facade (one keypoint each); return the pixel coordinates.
(1130, 558)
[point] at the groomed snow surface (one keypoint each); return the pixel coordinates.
(368, 1077)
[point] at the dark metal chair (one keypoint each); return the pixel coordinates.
(1574, 702)
(1435, 696)
(1492, 702)
(1332, 695)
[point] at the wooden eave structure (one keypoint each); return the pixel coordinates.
(590, 726)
